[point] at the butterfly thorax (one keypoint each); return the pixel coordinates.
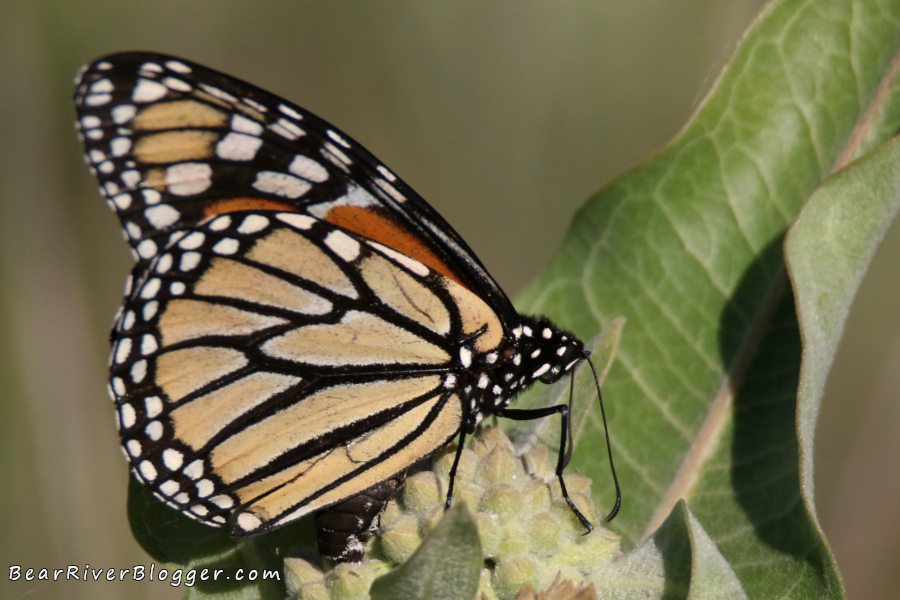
(536, 350)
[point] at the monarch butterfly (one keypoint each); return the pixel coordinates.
(300, 326)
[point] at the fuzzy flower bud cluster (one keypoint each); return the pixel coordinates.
(528, 533)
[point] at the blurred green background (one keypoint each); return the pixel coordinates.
(505, 115)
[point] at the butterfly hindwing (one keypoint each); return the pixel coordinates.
(251, 351)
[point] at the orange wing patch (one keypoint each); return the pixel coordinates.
(229, 205)
(377, 225)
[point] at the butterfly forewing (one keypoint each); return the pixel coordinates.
(172, 142)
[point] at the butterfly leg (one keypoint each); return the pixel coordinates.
(459, 449)
(519, 414)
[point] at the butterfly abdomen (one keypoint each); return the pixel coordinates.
(344, 528)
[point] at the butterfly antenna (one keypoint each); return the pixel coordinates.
(612, 467)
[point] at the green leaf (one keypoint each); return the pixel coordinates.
(447, 566)
(680, 560)
(702, 398)
(828, 251)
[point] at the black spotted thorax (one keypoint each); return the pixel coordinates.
(535, 350)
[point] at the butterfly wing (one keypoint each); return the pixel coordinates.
(268, 364)
(172, 143)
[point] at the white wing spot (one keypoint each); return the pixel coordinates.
(139, 371)
(127, 415)
(131, 178)
(123, 349)
(150, 288)
(388, 189)
(134, 231)
(153, 406)
(242, 124)
(147, 249)
(254, 104)
(333, 150)
(222, 501)
(248, 522)
(122, 201)
(465, 357)
(189, 261)
(162, 215)
(123, 113)
(307, 168)
(111, 188)
(151, 196)
(151, 67)
(148, 344)
(169, 488)
(287, 129)
(97, 99)
(148, 471)
(178, 67)
(90, 121)
(150, 310)
(173, 459)
(216, 92)
(192, 241)
(154, 430)
(147, 90)
(386, 173)
(188, 179)
(205, 487)
(177, 288)
(226, 246)
(281, 184)
(220, 223)
(238, 147)
(337, 137)
(133, 447)
(119, 146)
(176, 85)
(343, 245)
(410, 263)
(101, 86)
(253, 224)
(194, 470)
(290, 112)
(303, 222)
